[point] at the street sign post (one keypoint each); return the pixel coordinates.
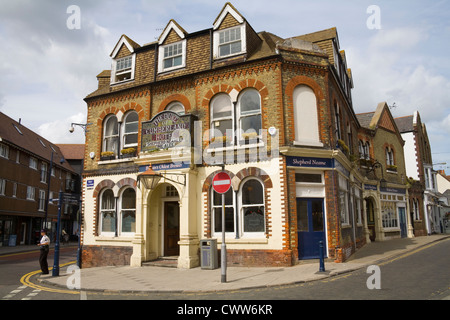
(221, 184)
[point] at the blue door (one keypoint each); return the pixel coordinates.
(310, 227)
(402, 216)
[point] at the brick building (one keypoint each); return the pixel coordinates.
(277, 111)
(382, 162)
(27, 181)
(422, 177)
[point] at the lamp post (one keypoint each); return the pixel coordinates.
(71, 130)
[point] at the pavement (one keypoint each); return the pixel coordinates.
(126, 279)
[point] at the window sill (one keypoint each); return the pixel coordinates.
(235, 147)
(170, 70)
(244, 240)
(118, 83)
(220, 58)
(308, 144)
(113, 239)
(116, 161)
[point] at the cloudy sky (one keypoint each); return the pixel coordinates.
(46, 68)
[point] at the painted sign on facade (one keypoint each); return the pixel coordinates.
(309, 162)
(166, 130)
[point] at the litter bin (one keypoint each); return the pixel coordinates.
(208, 254)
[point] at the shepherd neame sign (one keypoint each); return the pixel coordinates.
(164, 131)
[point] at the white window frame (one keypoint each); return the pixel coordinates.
(123, 134)
(4, 151)
(162, 58)
(111, 136)
(358, 201)
(173, 106)
(227, 118)
(31, 193)
(416, 209)
(101, 210)
(241, 116)
(44, 172)
(33, 163)
(121, 213)
(115, 73)
(306, 120)
(41, 200)
(2, 187)
(344, 190)
(249, 234)
(217, 44)
(389, 220)
(390, 157)
(14, 190)
(228, 234)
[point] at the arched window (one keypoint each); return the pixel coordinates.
(107, 213)
(130, 130)
(337, 121)
(361, 150)
(367, 150)
(305, 117)
(111, 134)
(128, 211)
(222, 118)
(176, 107)
(249, 115)
(252, 207)
(390, 157)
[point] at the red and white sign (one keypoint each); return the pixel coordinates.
(221, 182)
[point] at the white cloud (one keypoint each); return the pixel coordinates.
(57, 131)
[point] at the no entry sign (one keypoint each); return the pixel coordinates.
(221, 182)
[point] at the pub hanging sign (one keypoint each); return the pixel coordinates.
(165, 131)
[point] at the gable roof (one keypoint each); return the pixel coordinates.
(72, 151)
(405, 124)
(381, 118)
(16, 134)
(172, 25)
(228, 8)
(124, 40)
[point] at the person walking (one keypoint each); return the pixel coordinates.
(44, 244)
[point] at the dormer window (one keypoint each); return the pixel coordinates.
(230, 42)
(124, 69)
(123, 60)
(172, 56)
(230, 33)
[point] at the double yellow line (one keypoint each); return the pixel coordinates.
(26, 281)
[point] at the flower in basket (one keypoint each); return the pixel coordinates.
(249, 135)
(107, 154)
(128, 151)
(221, 139)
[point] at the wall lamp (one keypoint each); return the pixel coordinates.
(376, 165)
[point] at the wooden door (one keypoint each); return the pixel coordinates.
(171, 228)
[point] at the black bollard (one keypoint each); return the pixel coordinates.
(322, 264)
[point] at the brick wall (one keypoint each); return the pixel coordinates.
(101, 256)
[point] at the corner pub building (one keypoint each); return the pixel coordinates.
(277, 111)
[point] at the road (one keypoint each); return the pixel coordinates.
(419, 275)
